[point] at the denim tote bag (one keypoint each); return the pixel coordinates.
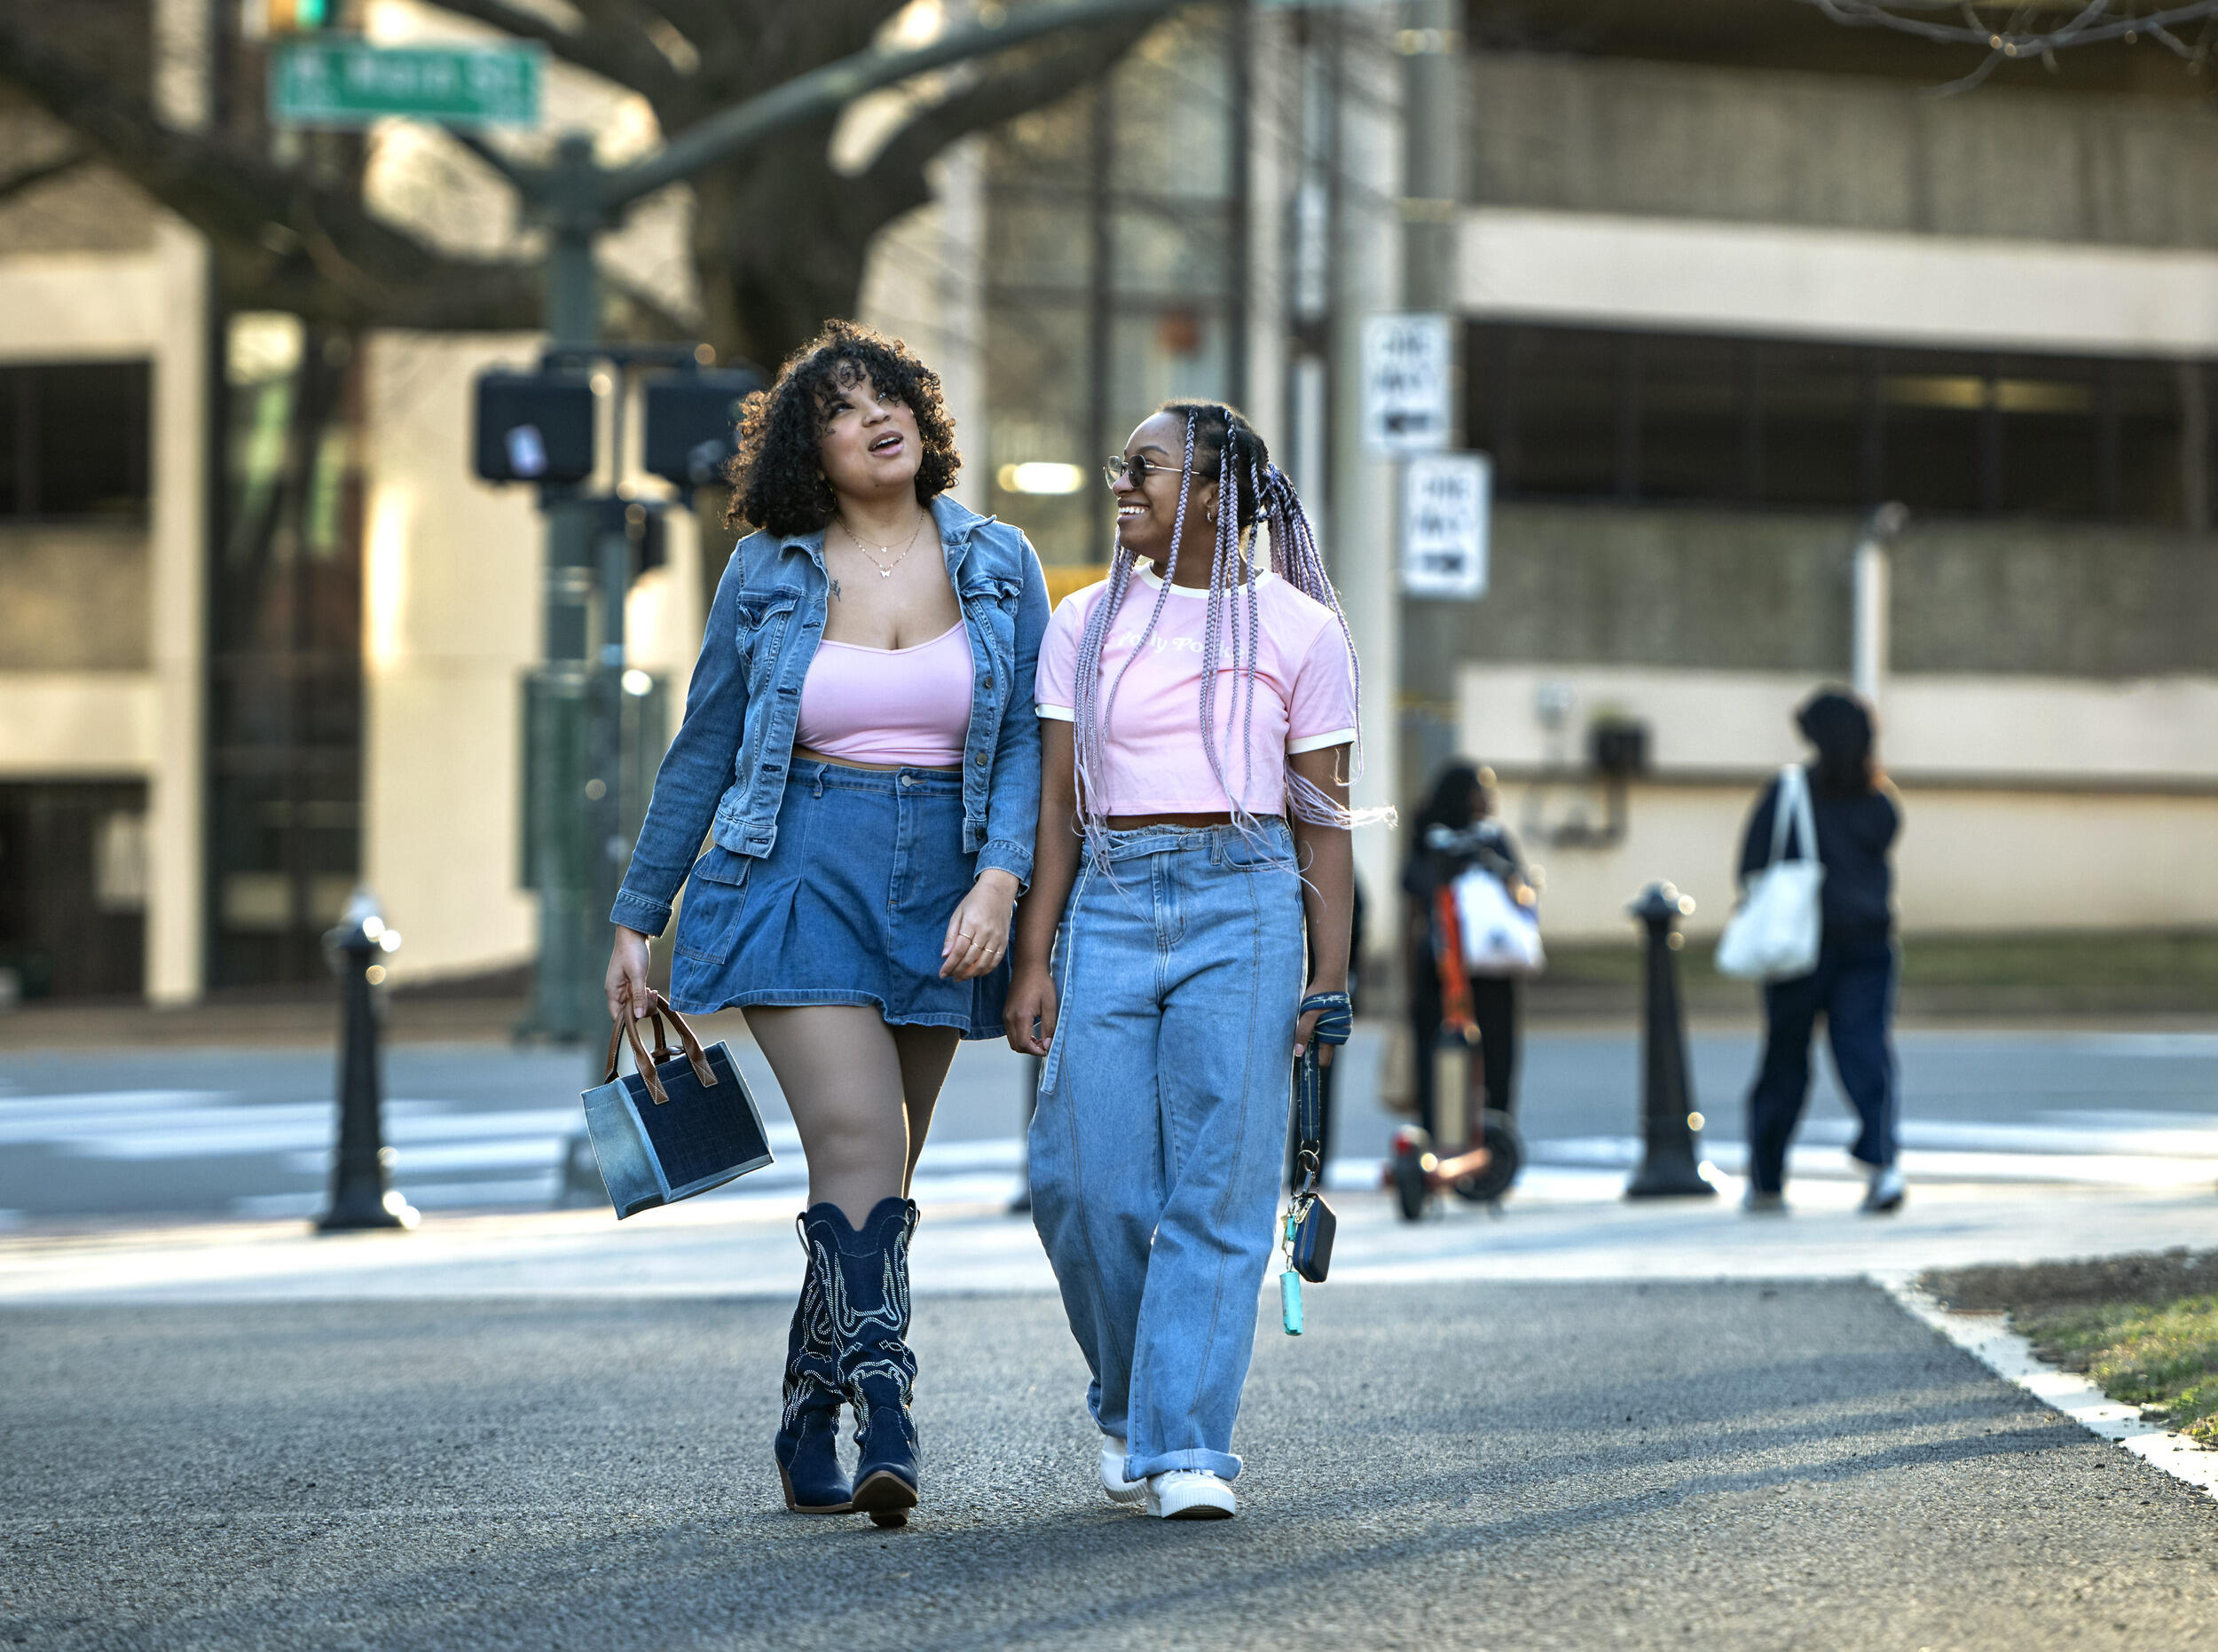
(681, 1125)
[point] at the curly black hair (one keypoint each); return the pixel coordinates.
(777, 481)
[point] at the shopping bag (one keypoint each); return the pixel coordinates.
(681, 1125)
(1773, 933)
(1501, 936)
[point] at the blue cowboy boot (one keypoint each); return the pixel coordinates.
(807, 1442)
(870, 1303)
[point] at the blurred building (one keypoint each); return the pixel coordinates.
(1728, 278)
(1731, 277)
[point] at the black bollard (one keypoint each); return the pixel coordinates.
(361, 1196)
(1670, 1125)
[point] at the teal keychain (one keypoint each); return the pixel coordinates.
(1290, 1282)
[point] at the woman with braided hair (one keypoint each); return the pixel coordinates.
(1198, 717)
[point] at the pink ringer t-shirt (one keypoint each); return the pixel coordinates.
(1305, 694)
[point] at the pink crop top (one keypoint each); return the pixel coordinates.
(899, 707)
(1156, 764)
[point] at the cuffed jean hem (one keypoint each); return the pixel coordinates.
(639, 913)
(1223, 1464)
(998, 854)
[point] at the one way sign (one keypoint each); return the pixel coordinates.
(1406, 379)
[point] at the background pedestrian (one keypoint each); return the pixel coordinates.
(1857, 817)
(1458, 831)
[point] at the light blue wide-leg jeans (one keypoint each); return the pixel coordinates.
(1161, 1126)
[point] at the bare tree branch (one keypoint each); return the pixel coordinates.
(615, 49)
(2008, 37)
(824, 90)
(1037, 79)
(39, 171)
(282, 238)
(2095, 21)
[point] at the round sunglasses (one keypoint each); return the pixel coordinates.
(1139, 469)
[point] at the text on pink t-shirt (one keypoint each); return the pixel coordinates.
(1155, 763)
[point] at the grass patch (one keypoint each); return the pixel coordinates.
(2143, 1328)
(2162, 1356)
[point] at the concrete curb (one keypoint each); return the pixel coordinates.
(1988, 1339)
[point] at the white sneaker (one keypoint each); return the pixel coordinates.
(1883, 1197)
(1113, 1480)
(1190, 1494)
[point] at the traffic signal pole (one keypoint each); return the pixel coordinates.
(565, 986)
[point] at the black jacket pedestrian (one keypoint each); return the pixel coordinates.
(1854, 835)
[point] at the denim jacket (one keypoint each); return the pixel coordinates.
(726, 771)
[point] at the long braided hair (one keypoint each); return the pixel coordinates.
(1252, 493)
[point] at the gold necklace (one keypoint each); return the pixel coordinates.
(885, 570)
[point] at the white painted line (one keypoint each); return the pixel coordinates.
(532, 1151)
(66, 1104)
(2087, 1169)
(1988, 1339)
(537, 1191)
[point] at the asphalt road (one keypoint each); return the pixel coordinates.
(1613, 1465)
(248, 1131)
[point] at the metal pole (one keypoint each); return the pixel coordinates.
(1432, 69)
(610, 850)
(1870, 641)
(1241, 206)
(1670, 1125)
(1101, 275)
(565, 995)
(361, 1195)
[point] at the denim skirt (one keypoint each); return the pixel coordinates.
(850, 906)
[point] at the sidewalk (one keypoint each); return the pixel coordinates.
(1561, 1225)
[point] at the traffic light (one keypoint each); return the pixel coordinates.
(534, 427)
(298, 17)
(693, 422)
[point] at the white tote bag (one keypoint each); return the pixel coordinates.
(1773, 934)
(1500, 936)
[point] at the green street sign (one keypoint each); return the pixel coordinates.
(350, 84)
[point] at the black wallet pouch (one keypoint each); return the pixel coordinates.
(1313, 1240)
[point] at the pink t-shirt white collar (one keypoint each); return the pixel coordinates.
(1156, 763)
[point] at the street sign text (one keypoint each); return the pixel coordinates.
(1407, 380)
(349, 84)
(1445, 501)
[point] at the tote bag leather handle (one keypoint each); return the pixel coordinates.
(660, 1006)
(629, 1024)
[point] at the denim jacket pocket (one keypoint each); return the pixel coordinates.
(992, 600)
(719, 865)
(762, 617)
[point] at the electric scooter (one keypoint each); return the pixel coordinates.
(1479, 1164)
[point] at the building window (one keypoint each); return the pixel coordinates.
(73, 887)
(1590, 415)
(73, 440)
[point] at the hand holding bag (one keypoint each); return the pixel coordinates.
(678, 1125)
(1773, 933)
(1310, 1224)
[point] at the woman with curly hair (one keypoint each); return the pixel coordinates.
(860, 742)
(1197, 708)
